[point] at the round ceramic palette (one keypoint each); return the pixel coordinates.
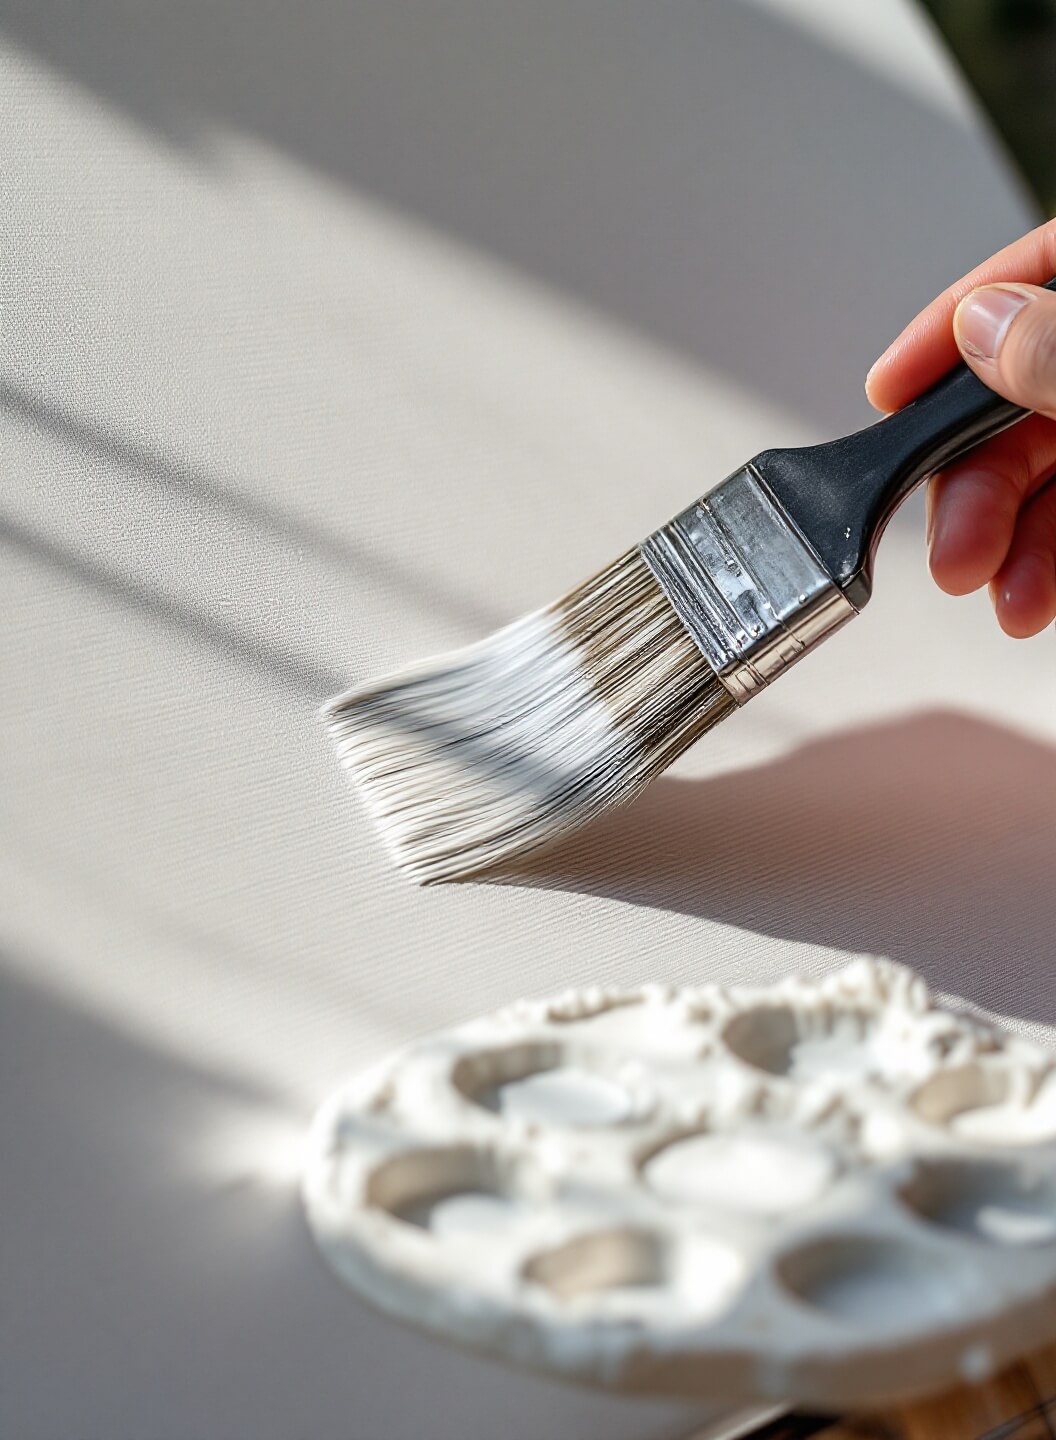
(829, 1193)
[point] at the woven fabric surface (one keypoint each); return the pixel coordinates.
(332, 336)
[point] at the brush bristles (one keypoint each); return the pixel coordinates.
(482, 755)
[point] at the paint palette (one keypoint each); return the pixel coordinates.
(831, 1192)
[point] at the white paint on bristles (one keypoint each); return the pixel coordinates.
(477, 757)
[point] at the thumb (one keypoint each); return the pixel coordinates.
(1007, 335)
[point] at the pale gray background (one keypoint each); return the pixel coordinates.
(333, 334)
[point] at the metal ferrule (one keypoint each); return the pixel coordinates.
(745, 583)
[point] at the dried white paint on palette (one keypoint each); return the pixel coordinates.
(830, 1192)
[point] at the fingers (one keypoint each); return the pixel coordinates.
(926, 349)
(973, 508)
(1024, 589)
(1007, 335)
(992, 518)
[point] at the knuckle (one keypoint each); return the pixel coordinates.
(1016, 473)
(1046, 507)
(1036, 531)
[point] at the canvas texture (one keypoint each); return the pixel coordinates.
(335, 335)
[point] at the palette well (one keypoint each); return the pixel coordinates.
(833, 1193)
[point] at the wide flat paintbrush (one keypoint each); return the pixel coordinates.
(478, 756)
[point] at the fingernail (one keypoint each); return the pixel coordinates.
(981, 320)
(929, 516)
(937, 528)
(873, 368)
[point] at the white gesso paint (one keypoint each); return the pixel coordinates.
(684, 1189)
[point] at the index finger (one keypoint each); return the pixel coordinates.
(926, 349)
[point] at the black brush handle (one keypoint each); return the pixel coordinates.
(842, 494)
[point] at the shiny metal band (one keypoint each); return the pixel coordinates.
(745, 583)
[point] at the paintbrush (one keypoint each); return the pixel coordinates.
(478, 756)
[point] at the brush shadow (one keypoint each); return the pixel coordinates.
(929, 840)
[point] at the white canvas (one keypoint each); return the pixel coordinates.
(332, 335)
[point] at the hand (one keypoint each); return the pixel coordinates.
(992, 515)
